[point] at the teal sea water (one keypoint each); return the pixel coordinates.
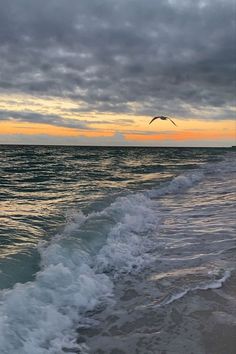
(87, 233)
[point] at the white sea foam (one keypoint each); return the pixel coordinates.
(39, 317)
(179, 184)
(129, 240)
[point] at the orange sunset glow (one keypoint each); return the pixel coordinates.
(105, 125)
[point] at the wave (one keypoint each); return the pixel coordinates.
(179, 184)
(215, 284)
(40, 317)
(79, 266)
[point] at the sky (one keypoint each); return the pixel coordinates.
(94, 72)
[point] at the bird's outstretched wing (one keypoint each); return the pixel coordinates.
(172, 122)
(153, 119)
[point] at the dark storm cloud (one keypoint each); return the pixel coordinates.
(162, 55)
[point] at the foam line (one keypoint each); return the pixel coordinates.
(216, 284)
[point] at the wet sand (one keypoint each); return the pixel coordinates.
(201, 322)
(219, 335)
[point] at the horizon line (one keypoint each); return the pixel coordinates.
(117, 146)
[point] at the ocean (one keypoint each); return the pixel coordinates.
(117, 250)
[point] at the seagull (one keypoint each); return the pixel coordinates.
(162, 118)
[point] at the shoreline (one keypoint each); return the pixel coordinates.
(201, 322)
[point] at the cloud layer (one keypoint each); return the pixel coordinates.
(123, 56)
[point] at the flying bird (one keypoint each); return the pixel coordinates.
(162, 118)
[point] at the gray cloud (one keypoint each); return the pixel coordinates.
(32, 117)
(165, 55)
(57, 120)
